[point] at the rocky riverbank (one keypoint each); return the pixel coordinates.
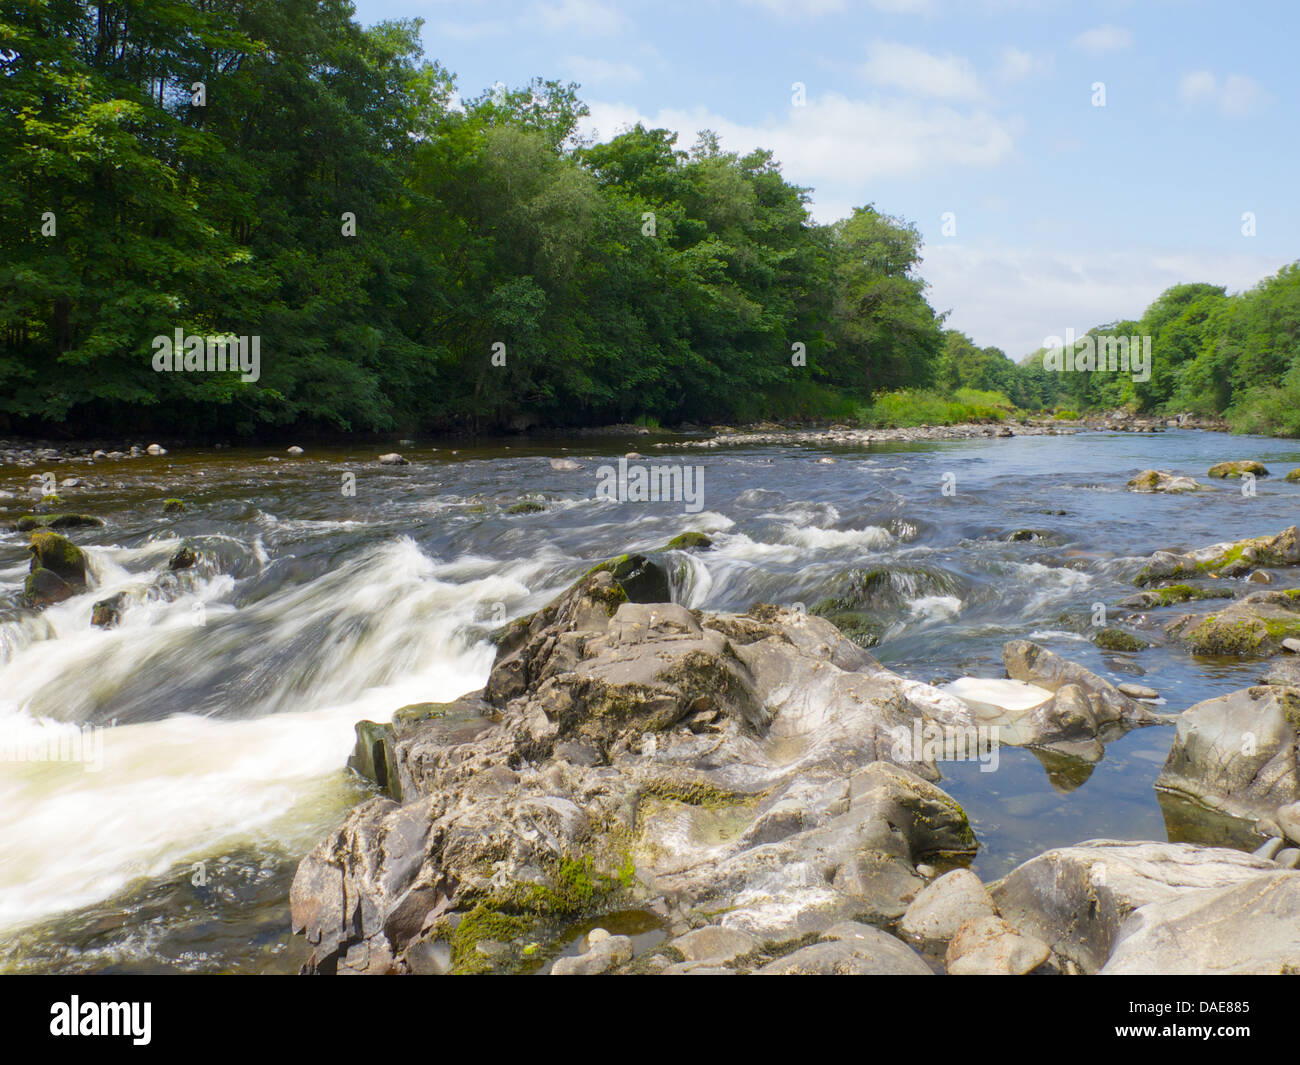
(765, 795)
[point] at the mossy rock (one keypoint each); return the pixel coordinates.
(1119, 640)
(1238, 468)
(1173, 594)
(174, 506)
(28, 522)
(688, 541)
(526, 506)
(642, 581)
(1294, 475)
(52, 500)
(1023, 536)
(44, 587)
(60, 555)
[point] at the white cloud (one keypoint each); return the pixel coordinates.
(1235, 95)
(583, 16)
(1017, 65)
(592, 70)
(900, 66)
(1104, 39)
(1015, 298)
(839, 145)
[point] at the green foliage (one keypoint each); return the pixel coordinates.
(904, 409)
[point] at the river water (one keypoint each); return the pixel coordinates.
(214, 722)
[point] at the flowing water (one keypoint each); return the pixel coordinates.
(203, 740)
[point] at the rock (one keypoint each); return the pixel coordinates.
(597, 935)
(99, 455)
(155, 450)
(1118, 640)
(743, 765)
(1237, 754)
(1291, 644)
(1244, 928)
(1288, 858)
(687, 541)
(1269, 849)
(641, 580)
(107, 613)
(988, 946)
(1075, 899)
(526, 506)
(1224, 559)
(1238, 468)
(56, 553)
(604, 955)
(715, 944)
(565, 465)
(393, 459)
(29, 522)
(1163, 481)
(295, 450)
(1260, 576)
(1288, 820)
(1254, 625)
(43, 588)
(858, 951)
(943, 906)
(184, 558)
(1137, 691)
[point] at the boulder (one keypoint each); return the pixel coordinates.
(1237, 754)
(1247, 928)
(393, 459)
(1257, 624)
(743, 765)
(1238, 468)
(1223, 560)
(1076, 899)
(939, 910)
(600, 957)
(1163, 481)
(854, 950)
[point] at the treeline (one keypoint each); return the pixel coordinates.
(410, 259)
(1211, 355)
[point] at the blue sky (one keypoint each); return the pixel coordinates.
(1067, 214)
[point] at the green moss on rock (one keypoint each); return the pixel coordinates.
(1119, 640)
(688, 541)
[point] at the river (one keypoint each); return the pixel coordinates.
(223, 705)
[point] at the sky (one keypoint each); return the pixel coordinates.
(1064, 162)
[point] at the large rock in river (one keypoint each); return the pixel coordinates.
(624, 753)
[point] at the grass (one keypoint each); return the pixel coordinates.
(909, 408)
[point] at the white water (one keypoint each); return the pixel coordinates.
(371, 635)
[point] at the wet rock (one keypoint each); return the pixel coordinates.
(107, 613)
(393, 459)
(606, 954)
(1119, 640)
(59, 556)
(944, 906)
(688, 541)
(173, 506)
(185, 557)
(989, 946)
(44, 588)
(1163, 481)
(155, 450)
(1257, 624)
(1244, 928)
(641, 580)
(526, 506)
(1138, 691)
(1238, 468)
(1076, 899)
(1224, 559)
(29, 522)
(1237, 754)
(294, 450)
(565, 465)
(1291, 644)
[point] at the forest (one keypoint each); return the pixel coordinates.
(411, 258)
